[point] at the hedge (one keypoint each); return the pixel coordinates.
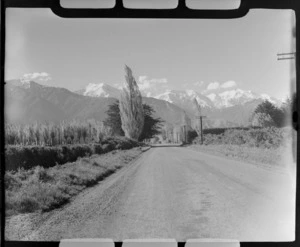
(30, 156)
(263, 137)
(218, 131)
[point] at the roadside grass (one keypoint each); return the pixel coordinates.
(244, 153)
(44, 189)
(258, 145)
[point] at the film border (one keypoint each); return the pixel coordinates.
(119, 11)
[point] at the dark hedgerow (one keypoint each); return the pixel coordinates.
(271, 137)
(30, 156)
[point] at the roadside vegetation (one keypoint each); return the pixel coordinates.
(264, 145)
(43, 189)
(26, 157)
(269, 138)
(52, 134)
(48, 144)
(49, 163)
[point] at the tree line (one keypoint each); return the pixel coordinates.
(51, 134)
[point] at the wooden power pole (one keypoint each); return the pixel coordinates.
(200, 117)
(201, 127)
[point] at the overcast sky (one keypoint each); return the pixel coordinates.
(178, 54)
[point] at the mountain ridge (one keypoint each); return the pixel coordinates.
(222, 99)
(67, 105)
(30, 101)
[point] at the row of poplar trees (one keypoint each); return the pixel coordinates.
(129, 116)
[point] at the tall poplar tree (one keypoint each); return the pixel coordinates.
(131, 107)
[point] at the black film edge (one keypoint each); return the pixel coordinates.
(182, 11)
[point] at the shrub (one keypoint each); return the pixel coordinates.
(255, 137)
(191, 135)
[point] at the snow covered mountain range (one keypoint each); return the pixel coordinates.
(184, 98)
(28, 101)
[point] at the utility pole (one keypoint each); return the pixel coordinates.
(184, 133)
(200, 116)
(201, 127)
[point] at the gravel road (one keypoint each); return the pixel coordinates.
(176, 192)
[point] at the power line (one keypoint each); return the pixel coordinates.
(285, 56)
(290, 53)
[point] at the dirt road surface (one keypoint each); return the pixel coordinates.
(176, 192)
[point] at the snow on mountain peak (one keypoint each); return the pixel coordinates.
(101, 90)
(212, 96)
(270, 99)
(231, 97)
(190, 92)
(24, 83)
(184, 98)
(236, 94)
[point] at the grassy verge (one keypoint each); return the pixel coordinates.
(244, 153)
(256, 145)
(44, 189)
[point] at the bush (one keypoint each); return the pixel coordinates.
(218, 131)
(255, 137)
(191, 135)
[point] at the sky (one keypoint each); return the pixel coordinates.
(202, 55)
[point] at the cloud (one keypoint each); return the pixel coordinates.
(144, 79)
(149, 87)
(213, 86)
(198, 83)
(40, 76)
(217, 86)
(228, 84)
(145, 83)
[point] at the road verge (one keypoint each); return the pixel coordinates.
(43, 189)
(261, 156)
